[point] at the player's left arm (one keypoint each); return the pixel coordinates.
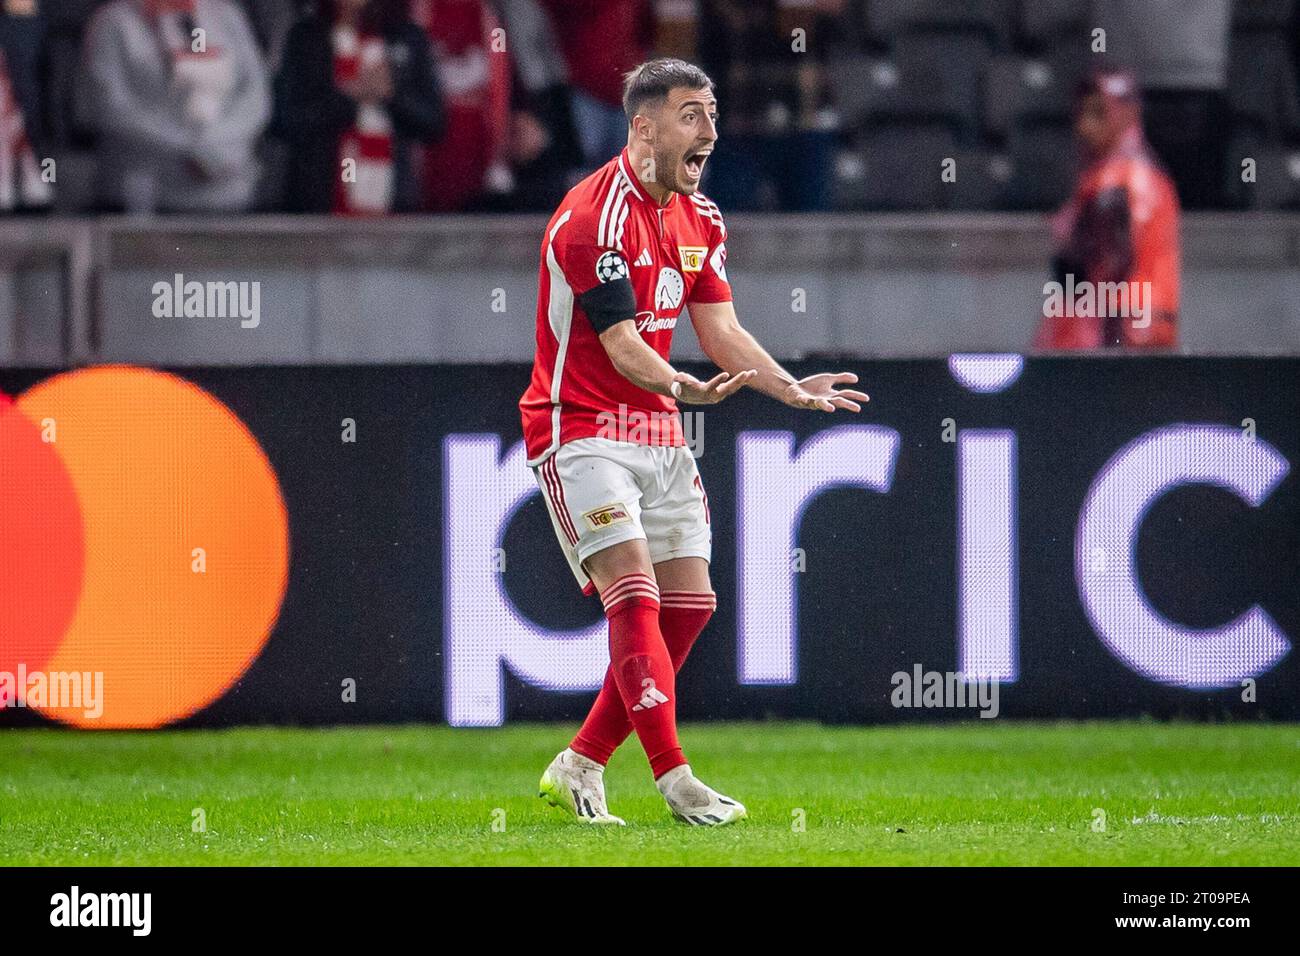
(732, 348)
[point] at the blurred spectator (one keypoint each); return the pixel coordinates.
(1121, 227)
(23, 183)
(1179, 49)
(358, 87)
(542, 145)
(470, 161)
(602, 40)
(271, 21)
(677, 31)
(60, 71)
(23, 27)
(176, 92)
(778, 130)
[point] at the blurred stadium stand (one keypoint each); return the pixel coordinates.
(462, 289)
(906, 82)
(897, 88)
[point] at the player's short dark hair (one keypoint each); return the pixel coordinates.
(655, 79)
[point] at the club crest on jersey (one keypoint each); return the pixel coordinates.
(670, 289)
(611, 266)
(649, 322)
(607, 515)
(692, 257)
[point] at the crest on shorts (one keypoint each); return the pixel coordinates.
(607, 515)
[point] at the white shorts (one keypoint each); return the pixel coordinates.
(600, 492)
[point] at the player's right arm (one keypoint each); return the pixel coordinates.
(609, 301)
(644, 367)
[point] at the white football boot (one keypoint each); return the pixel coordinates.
(577, 784)
(692, 802)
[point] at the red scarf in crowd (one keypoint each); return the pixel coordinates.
(364, 185)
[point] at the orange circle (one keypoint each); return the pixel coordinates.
(186, 541)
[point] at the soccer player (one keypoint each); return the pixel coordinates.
(629, 248)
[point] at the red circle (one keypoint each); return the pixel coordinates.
(42, 550)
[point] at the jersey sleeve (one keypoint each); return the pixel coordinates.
(597, 272)
(712, 284)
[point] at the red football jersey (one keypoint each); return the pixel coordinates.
(608, 227)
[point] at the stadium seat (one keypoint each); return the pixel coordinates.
(1043, 164)
(982, 182)
(1016, 89)
(1070, 57)
(901, 165)
(850, 79)
(1276, 172)
(1277, 184)
(1246, 140)
(1262, 14)
(1262, 83)
(849, 181)
(946, 71)
(1041, 24)
(889, 20)
(870, 91)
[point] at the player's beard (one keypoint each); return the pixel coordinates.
(667, 166)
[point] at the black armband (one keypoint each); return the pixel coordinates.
(608, 304)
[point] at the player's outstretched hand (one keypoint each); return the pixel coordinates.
(818, 391)
(695, 392)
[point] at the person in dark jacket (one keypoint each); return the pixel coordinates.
(23, 145)
(357, 87)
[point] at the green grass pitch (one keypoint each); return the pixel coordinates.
(979, 792)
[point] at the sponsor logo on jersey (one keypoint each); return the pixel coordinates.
(607, 515)
(692, 257)
(669, 290)
(649, 322)
(644, 259)
(611, 266)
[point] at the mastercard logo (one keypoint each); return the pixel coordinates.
(143, 536)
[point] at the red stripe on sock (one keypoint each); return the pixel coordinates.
(637, 586)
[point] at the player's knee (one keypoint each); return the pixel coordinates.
(617, 561)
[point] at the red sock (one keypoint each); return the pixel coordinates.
(682, 616)
(641, 672)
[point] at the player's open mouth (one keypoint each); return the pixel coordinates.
(694, 163)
